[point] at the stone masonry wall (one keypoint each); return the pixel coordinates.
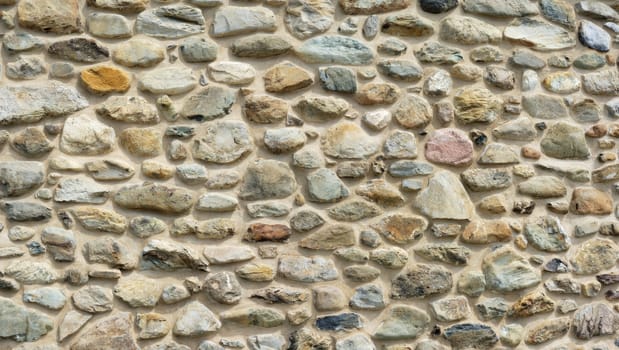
(309, 174)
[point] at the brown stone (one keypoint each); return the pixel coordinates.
(547, 330)
(260, 232)
(401, 229)
(264, 109)
(286, 77)
(530, 152)
(111, 333)
(142, 142)
(530, 304)
(590, 201)
(50, 16)
(377, 94)
(596, 131)
(482, 232)
(105, 80)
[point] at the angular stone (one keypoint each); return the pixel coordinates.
(593, 37)
(565, 141)
(305, 19)
(82, 135)
(306, 220)
(471, 283)
(547, 330)
(335, 49)
(138, 52)
(448, 253)
(79, 50)
(267, 179)
(346, 140)
(113, 333)
(306, 269)
(60, 243)
(507, 271)
(234, 20)
(224, 288)
(259, 232)
(434, 52)
(538, 35)
(80, 190)
(264, 109)
(22, 324)
(50, 16)
(510, 8)
(471, 335)
(102, 220)
(481, 180)
(169, 81)
(152, 325)
(329, 238)
(281, 295)
(195, 319)
(407, 25)
(468, 31)
(170, 256)
(321, 109)
(421, 280)
(111, 252)
(232, 73)
(381, 192)
(93, 299)
(286, 77)
(33, 102)
(399, 228)
(530, 304)
(49, 297)
(480, 232)
(476, 105)
(138, 292)
(444, 198)
(72, 322)
(324, 186)
(165, 199)
(401, 322)
(170, 22)
(108, 25)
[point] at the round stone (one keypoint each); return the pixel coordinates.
(450, 147)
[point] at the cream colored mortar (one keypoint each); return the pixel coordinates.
(370, 317)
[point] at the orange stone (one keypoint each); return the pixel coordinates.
(105, 80)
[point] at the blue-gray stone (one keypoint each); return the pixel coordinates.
(406, 168)
(338, 79)
(335, 49)
(471, 336)
(593, 36)
(339, 322)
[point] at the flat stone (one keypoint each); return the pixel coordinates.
(444, 198)
(21, 42)
(222, 255)
(266, 342)
(547, 234)
(138, 292)
(468, 31)
(256, 272)
(408, 25)
(329, 238)
(590, 201)
(108, 25)
(154, 197)
(234, 20)
(216, 202)
(532, 303)
(391, 258)
(169, 81)
(354, 210)
(60, 243)
(377, 94)
(361, 273)
(109, 251)
(565, 141)
(93, 299)
(451, 309)
(306, 220)
(440, 6)
(260, 46)
(21, 233)
(103, 80)
(152, 325)
(448, 253)
(335, 49)
(267, 179)
(594, 256)
(138, 52)
(286, 77)
(471, 335)
(170, 256)
(547, 330)
(538, 35)
(27, 68)
(359, 7)
(223, 142)
(29, 272)
(121, 6)
(305, 19)
(306, 269)
(80, 190)
(544, 106)
(589, 61)
(595, 319)
(381, 192)
(254, 316)
(401, 322)
(284, 140)
(450, 147)
(476, 105)
(281, 295)
(129, 109)
(79, 50)
(49, 297)
(232, 73)
(421, 280)
(72, 322)
(481, 180)
(338, 79)
(113, 332)
(198, 49)
(593, 37)
(339, 322)
(543, 187)
(170, 22)
(511, 8)
(346, 140)
(604, 83)
(50, 16)
(22, 324)
(33, 102)
(434, 52)
(507, 271)
(321, 109)
(83, 135)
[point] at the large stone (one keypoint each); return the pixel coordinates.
(286, 77)
(465, 336)
(346, 140)
(543, 187)
(223, 142)
(22, 324)
(234, 20)
(593, 37)
(33, 102)
(476, 105)
(321, 109)
(307, 269)
(510, 8)
(210, 103)
(20, 177)
(335, 49)
(401, 322)
(170, 256)
(559, 11)
(590, 201)
(50, 16)
(83, 135)
(547, 330)
(266, 179)
(593, 256)
(93, 299)
(138, 292)
(507, 271)
(306, 18)
(120, 5)
(60, 243)
(138, 52)
(445, 198)
(198, 49)
(165, 199)
(110, 333)
(72, 322)
(565, 141)
(129, 109)
(80, 190)
(324, 186)
(264, 109)
(105, 79)
(538, 35)
(30, 272)
(595, 319)
(171, 80)
(109, 251)
(468, 31)
(604, 83)
(449, 146)
(329, 238)
(79, 50)
(400, 228)
(546, 234)
(170, 22)
(108, 26)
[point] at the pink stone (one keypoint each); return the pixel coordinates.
(450, 147)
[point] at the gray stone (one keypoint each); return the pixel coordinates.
(507, 271)
(471, 283)
(22, 324)
(325, 187)
(81, 50)
(305, 220)
(401, 322)
(547, 234)
(543, 187)
(260, 46)
(72, 322)
(593, 37)
(593, 256)
(60, 243)
(113, 333)
(138, 52)
(33, 102)
(20, 177)
(108, 25)
(308, 18)
(27, 68)
(198, 49)
(195, 319)
(421, 280)
(510, 8)
(338, 79)
(481, 180)
(20, 42)
(26, 211)
(434, 52)
(93, 299)
(108, 251)
(403, 70)
(604, 83)
(559, 11)
(266, 342)
(354, 210)
(49, 297)
(234, 20)
(306, 269)
(538, 35)
(267, 179)
(565, 141)
(169, 80)
(444, 198)
(468, 31)
(444, 252)
(170, 22)
(170, 256)
(471, 335)
(595, 319)
(148, 196)
(336, 50)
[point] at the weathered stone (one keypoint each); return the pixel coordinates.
(168, 80)
(120, 5)
(129, 109)
(33, 102)
(100, 219)
(511, 8)
(421, 280)
(562, 82)
(447, 253)
(507, 271)
(440, 6)
(321, 109)
(338, 79)
(325, 187)
(109, 26)
(547, 330)
(377, 94)
(381, 192)
(412, 112)
(27, 68)
(444, 198)
(407, 25)
(267, 179)
(170, 256)
(260, 46)
(109, 251)
(286, 77)
(530, 304)
(306, 269)
(335, 49)
(22, 324)
(604, 83)
(399, 228)
(72, 322)
(138, 52)
(590, 201)
(109, 170)
(476, 105)
(234, 20)
(354, 211)
(593, 37)
(593, 256)
(166, 199)
(305, 220)
(471, 335)
(346, 140)
(254, 316)
(93, 299)
(308, 18)
(565, 141)
(559, 11)
(401, 322)
(538, 35)
(79, 50)
(224, 288)
(170, 22)
(50, 16)
(595, 319)
(82, 135)
(152, 325)
(329, 238)
(468, 31)
(195, 319)
(471, 283)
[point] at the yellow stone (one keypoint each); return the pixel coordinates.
(105, 80)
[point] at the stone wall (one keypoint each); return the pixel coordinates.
(308, 174)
